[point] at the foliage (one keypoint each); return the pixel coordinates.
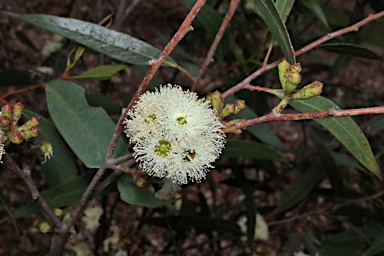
(316, 183)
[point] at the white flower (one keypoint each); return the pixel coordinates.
(261, 227)
(92, 216)
(177, 135)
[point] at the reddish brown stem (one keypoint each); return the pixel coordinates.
(303, 50)
(272, 117)
(220, 33)
(33, 87)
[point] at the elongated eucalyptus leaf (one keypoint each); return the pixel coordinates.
(351, 49)
(269, 13)
(132, 194)
(316, 9)
(343, 128)
(284, 7)
(87, 130)
(301, 187)
(107, 41)
(61, 167)
(250, 149)
(101, 72)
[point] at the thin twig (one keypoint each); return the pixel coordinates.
(220, 33)
(10, 164)
(30, 88)
(303, 50)
(272, 117)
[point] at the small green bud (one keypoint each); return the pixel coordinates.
(15, 137)
(217, 100)
(293, 80)
(296, 68)
(58, 212)
(6, 110)
(44, 227)
(17, 111)
(283, 69)
(46, 149)
(229, 109)
(308, 91)
(240, 105)
(141, 182)
(4, 121)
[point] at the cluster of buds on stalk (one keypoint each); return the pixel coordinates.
(290, 78)
(224, 111)
(44, 225)
(10, 116)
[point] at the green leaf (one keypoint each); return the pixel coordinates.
(343, 128)
(100, 100)
(87, 130)
(377, 245)
(329, 164)
(211, 21)
(132, 194)
(284, 7)
(268, 12)
(316, 9)
(101, 72)
(61, 167)
(60, 196)
(301, 187)
(351, 49)
(263, 132)
(251, 149)
(117, 45)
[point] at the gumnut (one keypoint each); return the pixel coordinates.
(308, 91)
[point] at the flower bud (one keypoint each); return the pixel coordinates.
(293, 80)
(4, 121)
(229, 109)
(17, 111)
(217, 100)
(308, 91)
(6, 110)
(46, 149)
(44, 227)
(283, 69)
(15, 137)
(58, 212)
(240, 105)
(296, 68)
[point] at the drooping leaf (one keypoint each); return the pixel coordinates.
(262, 131)
(117, 45)
(235, 148)
(132, 194)
(87, 130)
(284, 7)
(300, 188)
(316, 9)
(101, 72)
(343, 128)
(268, 12)
(211, 21)
(61, 167)
(351, 49)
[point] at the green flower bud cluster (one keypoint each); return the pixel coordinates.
(226, 110)
(10, 116)
(290, 78)
(44, 225)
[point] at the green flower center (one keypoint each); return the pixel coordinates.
(150, 119)
(163, 148)
(182, 120)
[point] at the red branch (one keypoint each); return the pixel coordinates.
(304, 116)
(33, 87)
(220, 33)
(303, 50)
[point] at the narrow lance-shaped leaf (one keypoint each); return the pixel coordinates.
(117, 45)
(101, 72)
(284, 7)
(351, 49)
(268, 12)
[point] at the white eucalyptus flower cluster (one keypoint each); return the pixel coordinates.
(176, 135)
